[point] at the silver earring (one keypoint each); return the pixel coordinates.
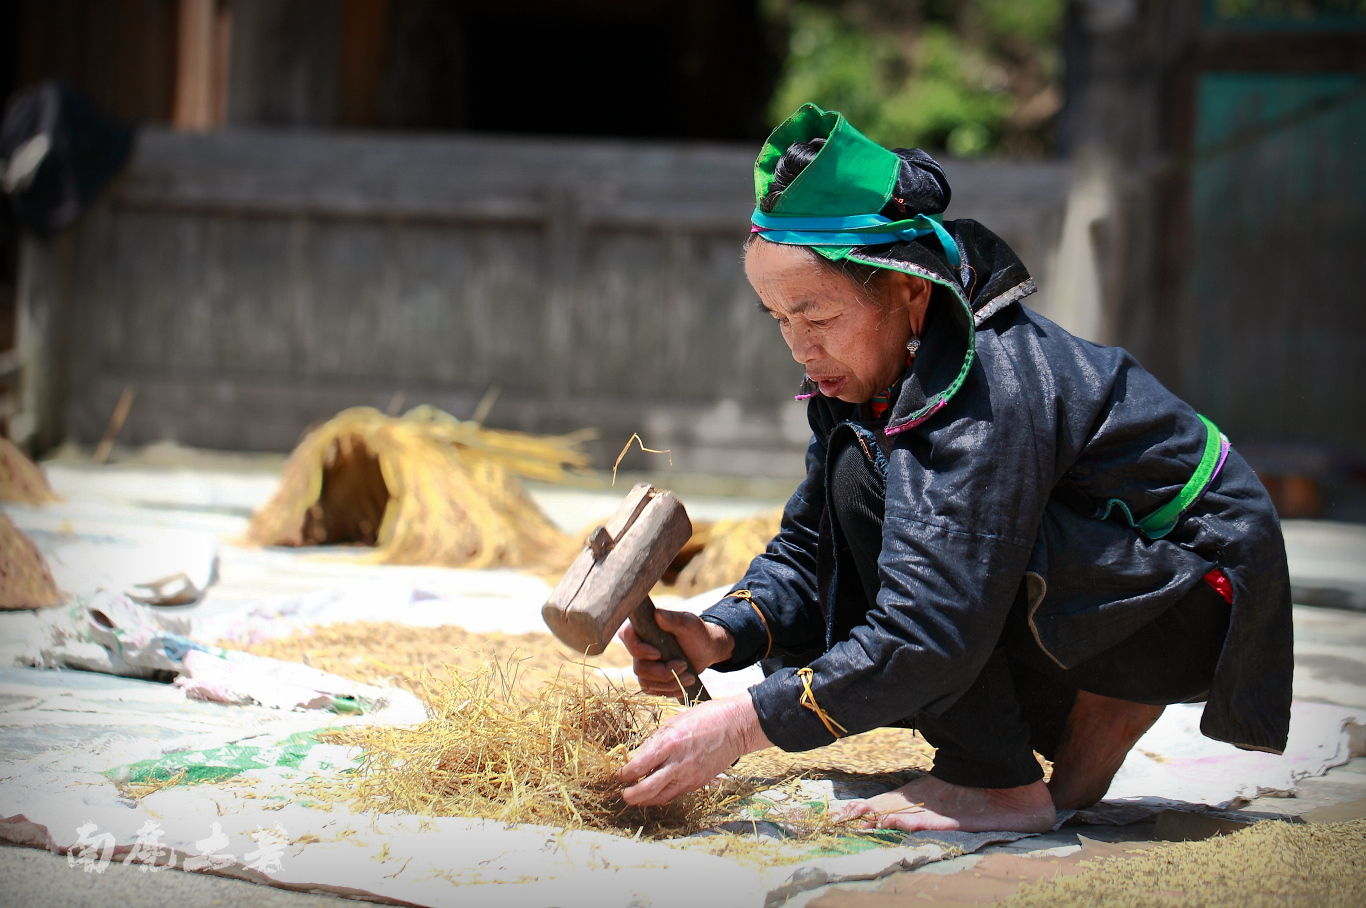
(913, 346)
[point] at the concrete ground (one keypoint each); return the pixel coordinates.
(33, 878)
(1330, 667)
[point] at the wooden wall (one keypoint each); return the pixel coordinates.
(250, 283)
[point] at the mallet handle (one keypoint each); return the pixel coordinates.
(648, 629)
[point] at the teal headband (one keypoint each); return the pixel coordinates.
(849, 231)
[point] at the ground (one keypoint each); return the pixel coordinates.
(34, 877)
(1330, 662)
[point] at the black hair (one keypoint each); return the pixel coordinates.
(792, 163)
(921, 186)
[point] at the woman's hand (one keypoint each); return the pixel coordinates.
(691, 749)
(705, 644)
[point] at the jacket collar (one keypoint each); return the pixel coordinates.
(991, 278)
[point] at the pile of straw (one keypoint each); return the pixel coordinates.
(526, 746)
(1269, 863)
(489, 750)
(376, 652)
(727, 548)
(20, 478)
(425, 488)
(25, 581)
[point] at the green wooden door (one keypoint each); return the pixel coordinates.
(1274, 324)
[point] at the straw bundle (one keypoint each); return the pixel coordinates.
(491, 750)
(20, 478)
(727, 549)
(25, 581)
(423, 489)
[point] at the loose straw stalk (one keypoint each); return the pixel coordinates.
(640, 444)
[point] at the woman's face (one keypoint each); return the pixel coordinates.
(852, 347)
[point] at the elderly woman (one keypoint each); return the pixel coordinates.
(1008, 538)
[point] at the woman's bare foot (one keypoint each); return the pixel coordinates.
(928, 803)
(1099, 734)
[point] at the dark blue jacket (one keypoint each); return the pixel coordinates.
(1006, 439)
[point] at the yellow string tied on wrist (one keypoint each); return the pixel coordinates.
(809, 701)
(749, 597)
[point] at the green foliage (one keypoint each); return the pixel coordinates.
(974, 76)
(1287, 9)
(1035, 21)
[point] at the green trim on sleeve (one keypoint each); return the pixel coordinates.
(1162, 521)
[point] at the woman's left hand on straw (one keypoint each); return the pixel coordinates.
(691, 749)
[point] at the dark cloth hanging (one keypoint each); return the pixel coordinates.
(57, 151)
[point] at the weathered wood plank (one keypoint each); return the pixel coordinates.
(250, 283)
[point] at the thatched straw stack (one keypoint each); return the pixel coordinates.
(25, 581)
(425, 488)
(492, 749)
(727, 549)
(20, 478)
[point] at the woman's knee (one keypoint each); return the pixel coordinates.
(1169, 660)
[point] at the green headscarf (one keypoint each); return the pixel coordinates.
(834, 205)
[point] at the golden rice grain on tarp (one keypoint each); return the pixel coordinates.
(382, 652)
(379, 652)
(881, 751)
(1271, 863)
(493, 698)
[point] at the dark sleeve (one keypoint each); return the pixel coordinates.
(782, 616)
(1146, 449)
(965, 496)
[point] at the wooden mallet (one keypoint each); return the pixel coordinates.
(610, 581)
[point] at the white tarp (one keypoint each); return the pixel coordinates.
(61, 732)
(260, 824)
(1173, 761)
(60, 798)
(152, 558)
